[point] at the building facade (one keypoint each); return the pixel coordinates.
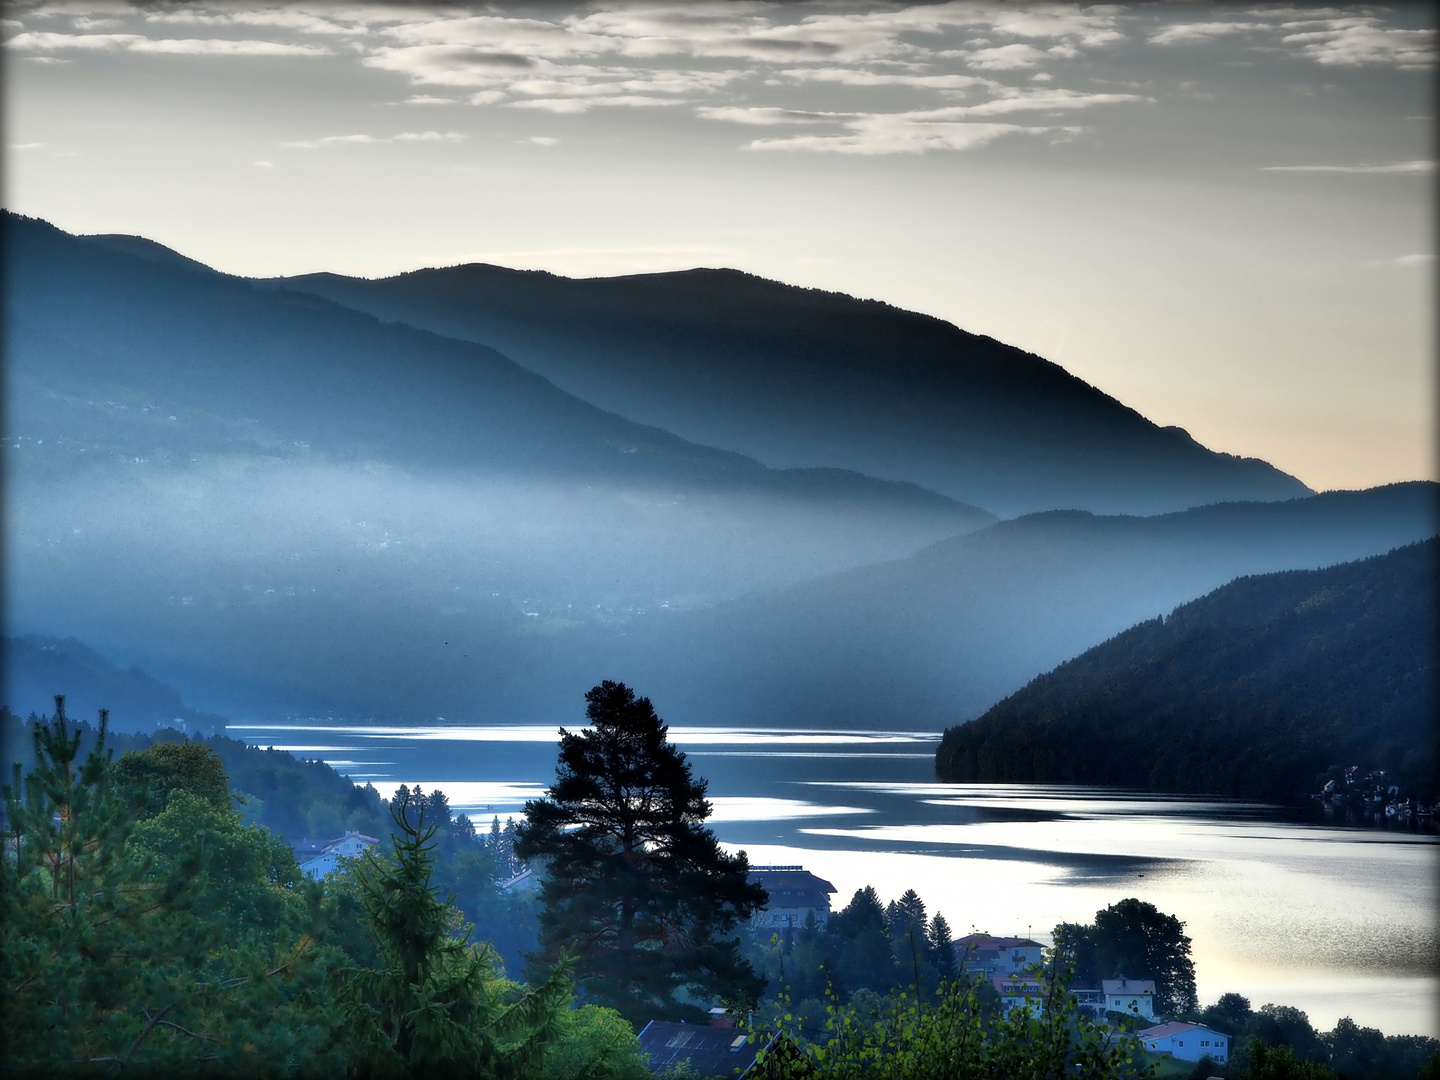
(1133, 996)
(795, 894)
(1187, 1042)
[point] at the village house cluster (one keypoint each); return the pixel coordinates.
(799, 898)
(1011, 964)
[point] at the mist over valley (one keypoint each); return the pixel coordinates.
(277, 503)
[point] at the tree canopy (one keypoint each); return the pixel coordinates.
(1135, 939)
(635, 886)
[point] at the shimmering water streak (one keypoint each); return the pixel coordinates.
(692, 736)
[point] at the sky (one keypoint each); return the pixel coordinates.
(1221, 215)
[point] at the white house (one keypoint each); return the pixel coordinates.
(997, 955)
(347, 847)
(1187, 1042)
(1019, 992)
(795, 893)
(1133, 996)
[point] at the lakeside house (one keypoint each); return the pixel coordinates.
(1133, 996)
(346, 847)
(1187, 1042)
(795, 894)
(984, 954)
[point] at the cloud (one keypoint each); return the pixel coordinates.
(25, 145)
(1325, 35)
(263, 164)
(45, 42)
(542, 140)
(333, 140)
(892, 133)
(1363, 41)
(294, 19)
(1415, 260)
(1188, 33)
(585, 104)
(861, 77)
(767, 116)
(1391, 167)
(430, 136)
(1039, 99)
(1005, 57)
(225, 47)
(427, 99)
(366, 140)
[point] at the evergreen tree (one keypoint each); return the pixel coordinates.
(436, 1002)
(635, 885)
(942, 947)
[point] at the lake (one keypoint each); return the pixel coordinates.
(1337, 921)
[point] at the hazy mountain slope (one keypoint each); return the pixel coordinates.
(797, 376)
(1251, 690)
(938, 638)
(38, 668)
(192, 460)
(121, 313)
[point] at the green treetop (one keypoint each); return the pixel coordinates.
(635, 885)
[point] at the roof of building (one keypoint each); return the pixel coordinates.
(980, 942)
(1175, 1027)
(711, 1051)
(792, 878)
(1122, 985)
(369, 841)
(524, 878)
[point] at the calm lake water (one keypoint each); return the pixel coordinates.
(1336, 921)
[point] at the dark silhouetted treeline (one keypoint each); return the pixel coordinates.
(1254, 690)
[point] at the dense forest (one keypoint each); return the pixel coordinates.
(1254, 690)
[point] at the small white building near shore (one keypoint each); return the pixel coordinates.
(346, 847)
(1133, 996)
(1187, 1042)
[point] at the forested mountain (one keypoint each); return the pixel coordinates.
(1252, 690)
(935, 639)
(802, 377)
(37, 668)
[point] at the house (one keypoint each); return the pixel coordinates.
(795, 893)
(1186, 1042)
(987, 955)
(347, 847)
(1133, 996)
(709, 1051)
(1019, 992)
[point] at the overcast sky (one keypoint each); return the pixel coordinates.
(1220, 215)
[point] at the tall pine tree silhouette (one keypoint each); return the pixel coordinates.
(635, 886)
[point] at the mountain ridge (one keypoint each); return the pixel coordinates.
(795, 376)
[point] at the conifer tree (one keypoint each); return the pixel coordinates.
(942, 947)
(634, 883)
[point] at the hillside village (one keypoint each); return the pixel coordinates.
(1012, 966)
